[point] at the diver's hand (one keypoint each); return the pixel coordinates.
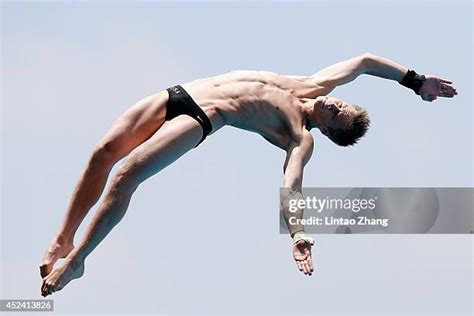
(302, 256)
(434, 87)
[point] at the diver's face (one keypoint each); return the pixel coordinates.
(334, 113)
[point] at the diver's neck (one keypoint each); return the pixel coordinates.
(311, 113)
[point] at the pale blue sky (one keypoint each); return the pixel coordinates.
(70, 68)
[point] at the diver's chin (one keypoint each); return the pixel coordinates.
(320, 103)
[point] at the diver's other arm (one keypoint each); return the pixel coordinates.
(297, 156)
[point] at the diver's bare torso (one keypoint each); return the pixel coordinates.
(258, 101)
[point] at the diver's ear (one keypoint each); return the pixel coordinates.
(324, 130)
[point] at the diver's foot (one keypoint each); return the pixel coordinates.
(67, 271)
(56, 250)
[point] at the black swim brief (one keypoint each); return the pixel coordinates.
(180, 102)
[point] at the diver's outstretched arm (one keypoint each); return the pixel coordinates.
(428, 87)
(340, 73)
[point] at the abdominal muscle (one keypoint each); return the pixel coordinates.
(247, 101)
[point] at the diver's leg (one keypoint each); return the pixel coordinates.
(131, 129)
(171, 141)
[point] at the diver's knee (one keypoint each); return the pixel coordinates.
(126, 180)
(104, 155)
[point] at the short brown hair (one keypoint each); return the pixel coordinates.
(357, 128)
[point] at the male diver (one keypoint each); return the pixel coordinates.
(162, 127)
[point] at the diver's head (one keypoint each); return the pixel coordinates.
(341, 122)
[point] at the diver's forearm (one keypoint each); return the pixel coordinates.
(291, 212)
(384, 68)
(293, 221)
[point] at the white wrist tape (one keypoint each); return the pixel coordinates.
(302, 236)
